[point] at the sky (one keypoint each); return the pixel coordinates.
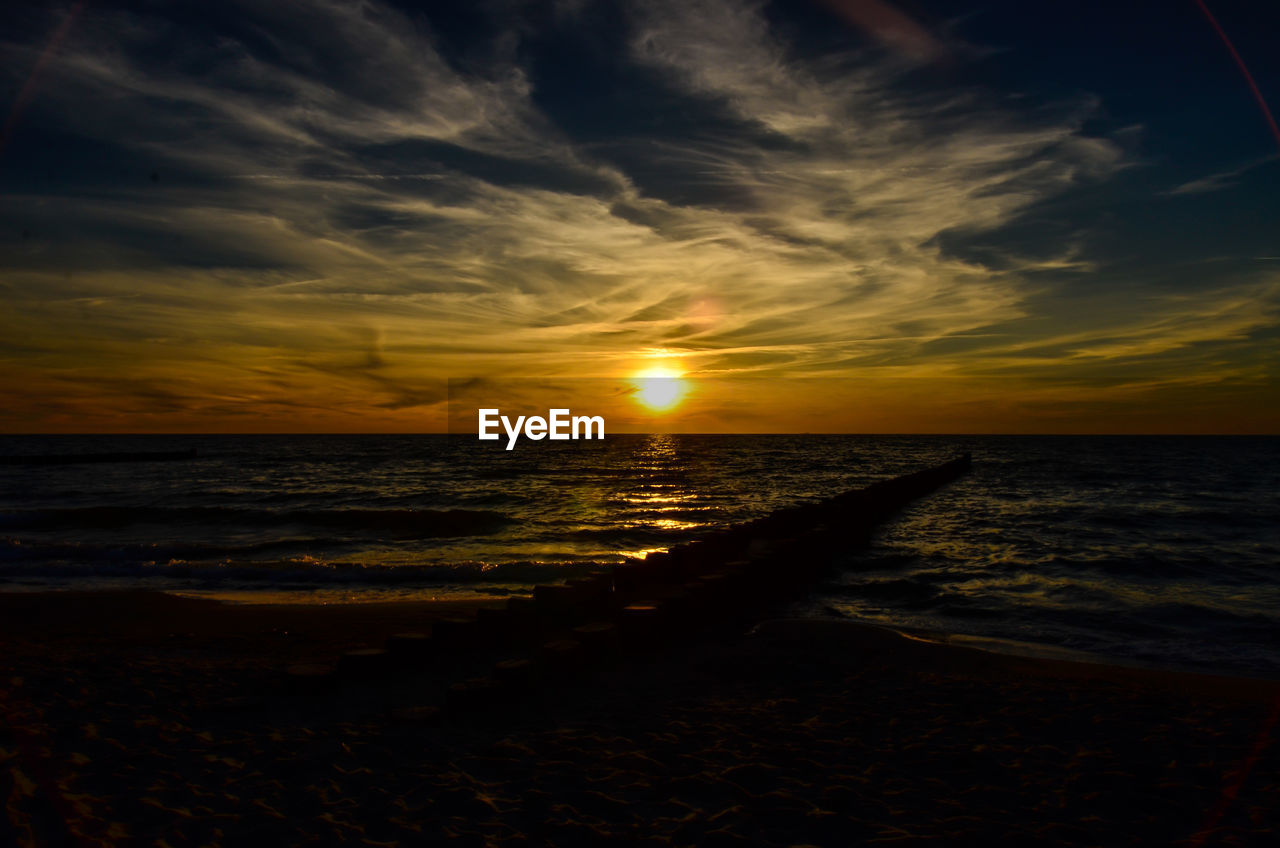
(826, 215)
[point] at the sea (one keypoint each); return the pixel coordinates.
(1150, 550)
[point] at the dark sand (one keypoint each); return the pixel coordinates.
(135, 718)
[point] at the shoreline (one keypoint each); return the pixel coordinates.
(96, 619)
(266, 633)
(1008, 647)
(381, 618)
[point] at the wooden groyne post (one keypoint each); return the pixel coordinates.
(760, 562)
(567, 630)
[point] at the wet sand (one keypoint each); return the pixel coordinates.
(144, 719)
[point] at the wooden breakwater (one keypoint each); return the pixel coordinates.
(564, 631)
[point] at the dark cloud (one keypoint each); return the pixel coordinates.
(242, 206)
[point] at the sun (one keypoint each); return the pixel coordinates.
(659, 389)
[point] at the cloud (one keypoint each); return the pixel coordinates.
(1219, 181)
(344, 217)
(891, 26)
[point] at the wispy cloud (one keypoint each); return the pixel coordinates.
(1221, 180)
(342, 218)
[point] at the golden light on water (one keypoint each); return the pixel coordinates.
(659, 389)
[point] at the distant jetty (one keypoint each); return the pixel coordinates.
(82, 458)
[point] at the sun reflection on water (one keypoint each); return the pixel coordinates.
(661, 497)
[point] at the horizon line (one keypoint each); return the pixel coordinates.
(659, 433)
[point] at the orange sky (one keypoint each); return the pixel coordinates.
(823, 235)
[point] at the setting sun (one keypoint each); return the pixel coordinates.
(659, 389)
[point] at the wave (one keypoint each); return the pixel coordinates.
(306, 572)
(404, 523)
(24, 550)
(903, 591)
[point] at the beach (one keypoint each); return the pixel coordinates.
(142, 718)
(688, 424)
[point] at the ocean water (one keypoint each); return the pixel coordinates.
(1163, 550)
